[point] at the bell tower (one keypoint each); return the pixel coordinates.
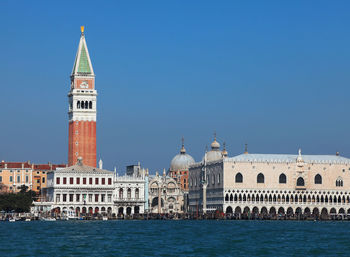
(82, 108)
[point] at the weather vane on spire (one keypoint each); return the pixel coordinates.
(82, 29)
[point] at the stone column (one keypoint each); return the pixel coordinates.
(159, 200)
(204, 197)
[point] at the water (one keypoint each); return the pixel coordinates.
(175, 238)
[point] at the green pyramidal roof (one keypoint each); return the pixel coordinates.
(82, 64)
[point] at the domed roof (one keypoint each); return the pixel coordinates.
(215, 153)
(181, 161)
(214, 156)
(215, 145)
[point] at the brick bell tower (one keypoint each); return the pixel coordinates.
(82, 108)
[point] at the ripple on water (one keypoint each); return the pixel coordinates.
(174, 238)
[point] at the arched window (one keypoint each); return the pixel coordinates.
(78, 104)
(129, 193)
(318, 179)
(137, 193)
(282, 179)
(213, 181)
(86, 105)
(339, 182)
(90, 105)
(239, 178)
(260, 178)
(121, 193)
(82, 105)
(300, 182)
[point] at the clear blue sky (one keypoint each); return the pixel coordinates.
(273, 74)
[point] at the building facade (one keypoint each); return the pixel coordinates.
(165, 195)
(79, 188)
(272, 184)
(87, 190)
(130, 191)
(82, 108)
(14, 175)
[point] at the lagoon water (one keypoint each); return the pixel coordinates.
(175, 238)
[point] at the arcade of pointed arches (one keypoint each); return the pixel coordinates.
(332, 202)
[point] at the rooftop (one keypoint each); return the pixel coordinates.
(289, 158)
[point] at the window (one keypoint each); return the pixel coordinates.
(90, 198)
(282, 179)
(0, 179)
(137, 193)
(213, 180)
(109, 198)
(339, 182)
(109, 181)
(300, 182)
(96, 181)
(90, 105)
(42, 179)
(103, 198)
(239, 178)
(64, 180)
(103, 181)
(64, 197)
(57, 181)
(121, 193)
(78, 181)
(77, 197)
(71, 196)
(11, 179)
(318, 179)
(71, 181)
(84, 181)
(27, 179)
(78, 105)
(260, 178)
(90, 181)
(18, 179)
(96, 197)
(129, 193)
(58, 198)
(219, 178)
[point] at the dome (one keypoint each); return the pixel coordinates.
(215, 153)
(214, 156)
(181, 161)
(215, 145)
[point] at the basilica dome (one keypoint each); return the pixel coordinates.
(214, 154)
(181, 161)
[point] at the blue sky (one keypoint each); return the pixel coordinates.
(273, 74)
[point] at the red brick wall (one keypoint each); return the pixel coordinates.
(86, 139)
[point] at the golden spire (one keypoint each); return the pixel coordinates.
(82, 29)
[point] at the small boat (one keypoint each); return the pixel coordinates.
(28, 219)
(104, 218)
(12, 219)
